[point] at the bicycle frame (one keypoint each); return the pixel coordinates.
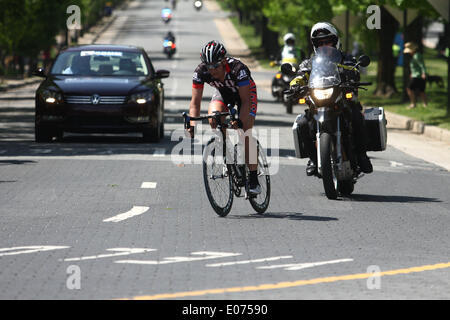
(238, 172)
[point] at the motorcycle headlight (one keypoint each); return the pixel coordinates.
(52, 97)
(142, 97)
(323, 94)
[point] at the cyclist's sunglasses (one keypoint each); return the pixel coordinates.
(214, 65)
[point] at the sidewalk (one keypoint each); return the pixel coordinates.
(413, 137)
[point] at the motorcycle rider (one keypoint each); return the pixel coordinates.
(233, 84)
(290, 53)
(170, 37)
(325, 34)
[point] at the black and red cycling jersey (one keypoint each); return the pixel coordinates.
(237, 75)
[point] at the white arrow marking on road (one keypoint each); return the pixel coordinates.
(396, 164)
(122, 252)
(148, 185)
(247, 261)
(207, 255)
(299, 266)
(135, 211)
(28, 249)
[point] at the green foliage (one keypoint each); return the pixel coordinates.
(29, 26)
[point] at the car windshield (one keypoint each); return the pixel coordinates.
(100, 63)
(324, 72)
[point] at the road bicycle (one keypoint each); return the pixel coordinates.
(225, 178)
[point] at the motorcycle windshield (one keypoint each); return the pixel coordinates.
(324, 72)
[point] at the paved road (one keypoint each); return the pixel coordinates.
(106, 217)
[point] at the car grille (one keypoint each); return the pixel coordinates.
(88, 99)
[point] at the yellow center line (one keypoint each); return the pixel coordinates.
(298, 283)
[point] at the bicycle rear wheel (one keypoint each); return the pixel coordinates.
(261, 202)
(217, 179)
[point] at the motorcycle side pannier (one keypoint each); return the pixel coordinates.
(300, 150)
(376, 128)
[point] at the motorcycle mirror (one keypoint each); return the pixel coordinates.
(364, 61)
(288, 69)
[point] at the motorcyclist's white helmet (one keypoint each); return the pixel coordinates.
(288, 36)
(324, 31)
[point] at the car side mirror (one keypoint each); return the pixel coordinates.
(160, 74)
(364, 61)
(40, 73)
(288, 69)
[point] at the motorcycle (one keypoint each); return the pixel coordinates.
(166, 15)
(280, 83)
(328, 100)
(169, 48)
(198, 5)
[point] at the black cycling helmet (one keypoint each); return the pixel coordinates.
(213, 52)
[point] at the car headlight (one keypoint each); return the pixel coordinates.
(52, 97)
(323, 94)
(142, 97)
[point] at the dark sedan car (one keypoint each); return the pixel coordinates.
(101, 89)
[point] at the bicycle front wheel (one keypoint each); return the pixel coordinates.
(217, 178)
(261, 202)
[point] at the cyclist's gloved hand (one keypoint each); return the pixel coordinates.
(189, 132)
(236, 124)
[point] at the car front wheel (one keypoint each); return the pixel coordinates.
(42, 134)
(152, 134)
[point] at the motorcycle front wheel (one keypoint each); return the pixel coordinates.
(330, 183)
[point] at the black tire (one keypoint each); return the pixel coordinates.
(217, 180)
(289, 106)
(261, 202)
(161, 131)
(328, 177)
(346, 187)
(42, 134)
(152, 134)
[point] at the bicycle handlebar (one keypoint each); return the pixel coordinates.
(216, 115)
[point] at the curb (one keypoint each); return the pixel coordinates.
(396, 121)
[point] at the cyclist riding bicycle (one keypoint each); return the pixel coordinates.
(233, 84)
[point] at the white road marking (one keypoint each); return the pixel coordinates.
(299, 266)
(122, 252)
(159, 152)
(206, 255)
(135, 211)
(28, 249)
(396, 164)
(148, 185)
(41, 151)
(247, 261)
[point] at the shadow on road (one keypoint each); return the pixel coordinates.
(283, 215)
(389, 198)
